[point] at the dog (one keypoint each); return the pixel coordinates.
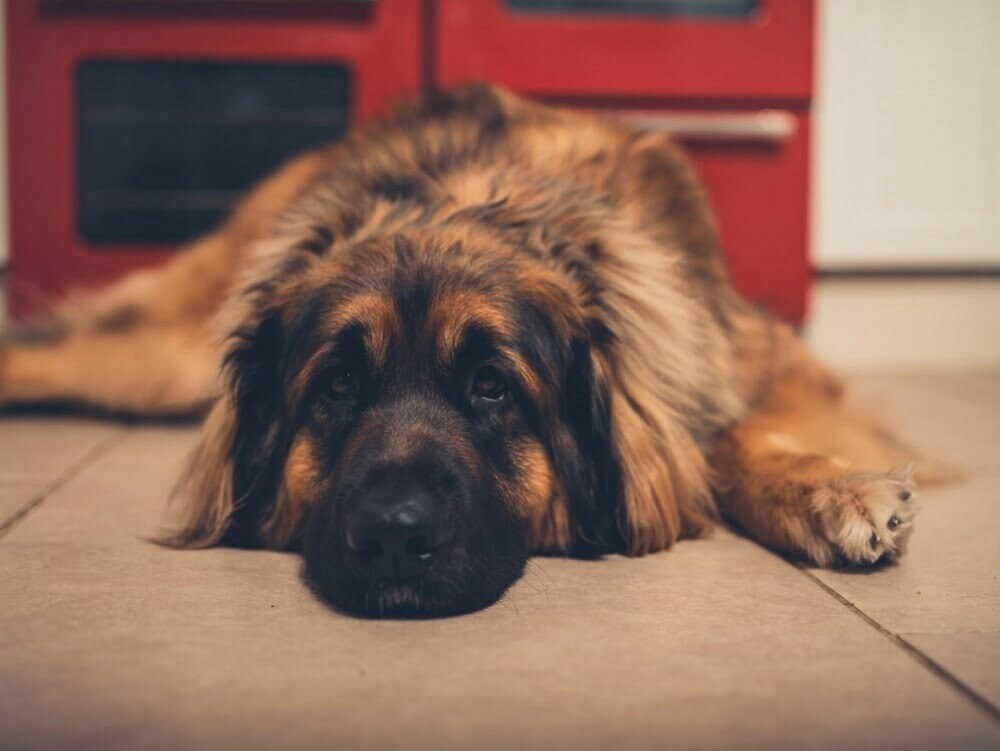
(477, 330)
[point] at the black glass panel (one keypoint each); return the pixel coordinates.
(704, 8)
(165, 148)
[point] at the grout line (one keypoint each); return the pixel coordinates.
(934, 667)
(95, 453)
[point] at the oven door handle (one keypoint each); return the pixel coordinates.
(771, 126)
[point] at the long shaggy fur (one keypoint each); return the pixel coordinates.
(687, 403)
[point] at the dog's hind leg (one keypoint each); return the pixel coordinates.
(808, 476)
(162, 371)
(146, 344)
(140, 346)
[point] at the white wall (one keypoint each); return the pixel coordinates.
(906, 176)
(907, 324)
(907, 117)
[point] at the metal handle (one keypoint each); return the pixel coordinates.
(761, 125)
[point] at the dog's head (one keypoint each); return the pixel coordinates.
(421, 412)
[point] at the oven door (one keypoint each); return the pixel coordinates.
(135, 125)
(630, 48)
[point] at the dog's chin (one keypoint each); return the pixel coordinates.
(416, 600)
(405, 600)
(425, 597)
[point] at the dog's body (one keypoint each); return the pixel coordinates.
(514, 316)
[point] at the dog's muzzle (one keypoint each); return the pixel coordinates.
(395, 530)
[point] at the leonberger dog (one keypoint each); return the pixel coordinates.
(480, 329)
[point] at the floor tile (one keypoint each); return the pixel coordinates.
(956, 418)
(36, 452)
(945, 594)
(972, 657)
(112, 642)
(949, 581)
(125, 491)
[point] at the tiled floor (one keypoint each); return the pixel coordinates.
(107, 641)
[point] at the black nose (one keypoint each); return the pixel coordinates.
(396, 529)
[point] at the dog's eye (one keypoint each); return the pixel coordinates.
(489, 383)
(343, 384)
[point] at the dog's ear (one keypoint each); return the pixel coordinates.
(205, 489)
(648, 479)
(232, 477)
(586, 462)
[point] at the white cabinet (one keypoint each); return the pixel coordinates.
(907, 149)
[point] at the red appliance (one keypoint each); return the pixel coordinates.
(732, 77)
(53, 48)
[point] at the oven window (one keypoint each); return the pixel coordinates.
(735, 9)
(165, 148)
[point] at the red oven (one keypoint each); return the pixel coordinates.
(135, 123)
(732, 77)
(225, 89)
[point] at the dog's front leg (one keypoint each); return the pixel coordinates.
(783, 484)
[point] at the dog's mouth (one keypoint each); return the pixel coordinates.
(410, 599)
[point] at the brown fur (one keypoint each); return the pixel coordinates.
(714, 407)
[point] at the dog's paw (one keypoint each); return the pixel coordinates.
(866, 518)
